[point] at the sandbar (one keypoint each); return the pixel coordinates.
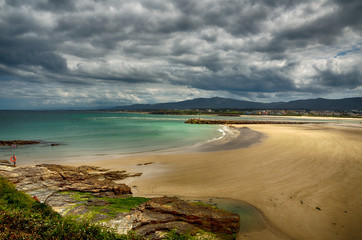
(305, 179)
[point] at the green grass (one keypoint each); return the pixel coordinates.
(199, 203)
(21, 217)
(116, 205)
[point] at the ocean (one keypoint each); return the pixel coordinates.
(96, 135)
(85, 135)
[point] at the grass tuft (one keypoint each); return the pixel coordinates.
(22, 217)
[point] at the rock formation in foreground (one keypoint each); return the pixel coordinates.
(46, 179)
(92, 192)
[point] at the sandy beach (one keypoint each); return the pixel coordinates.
(305, 179)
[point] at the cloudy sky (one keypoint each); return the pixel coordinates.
(98, 53)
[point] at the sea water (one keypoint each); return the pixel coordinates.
(81, 135)
(97, 135)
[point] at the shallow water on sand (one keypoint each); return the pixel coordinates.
(82, 135)
(87, 135)
(251, 219)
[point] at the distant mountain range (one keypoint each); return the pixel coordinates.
(225, 103)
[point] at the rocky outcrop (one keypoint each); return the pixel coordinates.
(92, 191)
(166, 213)
(45, 179)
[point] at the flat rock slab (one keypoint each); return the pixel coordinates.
(167, 213)
(45, 179)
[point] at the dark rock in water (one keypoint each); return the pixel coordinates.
(17, 142)
(167, 213)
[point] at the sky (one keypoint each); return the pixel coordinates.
(99, 53)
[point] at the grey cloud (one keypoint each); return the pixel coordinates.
(30, 52)
(343, 80)
(210, 61)
(325, 29)
(56, 5)
(46, 5)
(22, 46)
(230, 47)
(270, 80)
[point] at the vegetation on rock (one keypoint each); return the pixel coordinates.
(86, 203)
(22, 217)
(92, 207)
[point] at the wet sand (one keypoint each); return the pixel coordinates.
(236, 138)
(305, 179)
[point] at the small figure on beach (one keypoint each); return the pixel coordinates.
(13, 159)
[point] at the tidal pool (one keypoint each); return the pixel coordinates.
(251, 219)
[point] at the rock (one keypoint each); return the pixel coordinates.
(100, 217)
(224, 122)
(145, 164)
(121, 189)
(90, 169)
(45, 179)
(5, 163)
(173, 210)
(154, 231)
(61, 203)
(154, 218)
(48, 182)
(96, 202)
(78, 210)
(17, 142)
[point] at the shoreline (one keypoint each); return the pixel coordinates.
(304, 178)
(234, 138)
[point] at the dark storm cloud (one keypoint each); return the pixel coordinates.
(259, 81)
(252, 48)
(347, 79)
(21, 53)
(47, 5)
(325, 30)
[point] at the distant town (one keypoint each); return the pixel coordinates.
(233, 112)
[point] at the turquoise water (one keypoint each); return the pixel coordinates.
(85, 134)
